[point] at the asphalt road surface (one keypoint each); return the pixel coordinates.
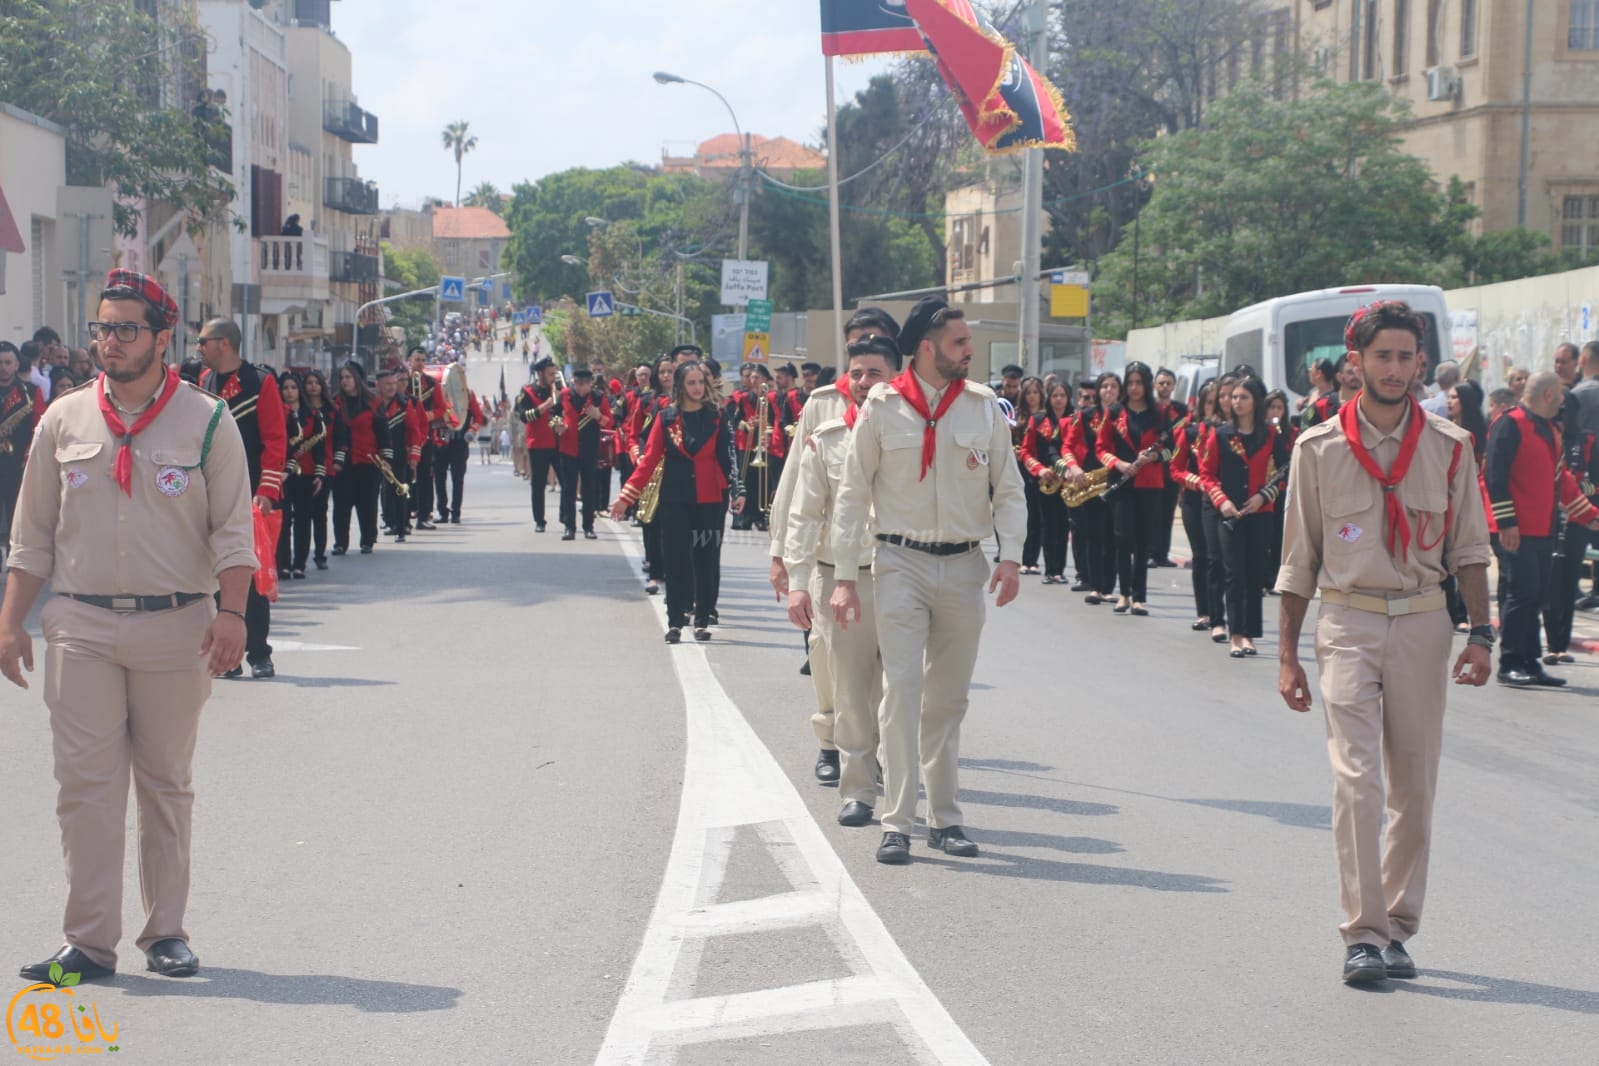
(484, 814)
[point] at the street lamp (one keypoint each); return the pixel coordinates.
(741, 192)
(574, 261)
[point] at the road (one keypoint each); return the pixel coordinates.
(485, 814)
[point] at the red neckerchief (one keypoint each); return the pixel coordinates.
(122, 469)
(908, 386)
(852, 409)
(1398, 524)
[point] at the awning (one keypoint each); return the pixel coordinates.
(10, 236)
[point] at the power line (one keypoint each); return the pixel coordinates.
(783, 190)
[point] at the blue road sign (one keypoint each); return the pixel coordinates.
(534, 316)
(518, 319)
(487, 285)
(452, 290)
(505, 290)
(601, 304)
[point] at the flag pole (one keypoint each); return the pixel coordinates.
(840, 359)
(1031, 355)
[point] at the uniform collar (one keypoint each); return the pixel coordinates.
(1371, 436)
(933, 395)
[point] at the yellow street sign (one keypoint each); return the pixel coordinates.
(756, 347)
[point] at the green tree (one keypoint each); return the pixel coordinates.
(410, 269)
(458, 140)
(486, 195)
(1273, 197)
(130, 92)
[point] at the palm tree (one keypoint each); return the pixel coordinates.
(485, 195)
(458, 140)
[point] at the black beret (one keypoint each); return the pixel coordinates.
(917, 323)
(582, 373)
(544, 363)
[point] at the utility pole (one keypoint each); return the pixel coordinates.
(746, 171)
(1526, 119)
(1030, 355)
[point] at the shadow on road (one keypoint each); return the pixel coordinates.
(1013, 765)
(374, 997)
(1297, 815)
(1503, 990)
(999, 864)
(1036, 803)
(1014, 838)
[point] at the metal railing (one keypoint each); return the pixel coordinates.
(353, 267)
(351, 195)
(348, 121)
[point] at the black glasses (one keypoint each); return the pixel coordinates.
(126, 332)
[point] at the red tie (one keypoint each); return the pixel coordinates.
(910, 387)
(122, 469)
(1398, 524)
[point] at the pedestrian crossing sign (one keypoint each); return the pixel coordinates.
(756, 347)
(452, 290)
(601, 304)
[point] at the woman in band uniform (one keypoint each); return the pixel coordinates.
(692, 444)
(1041, 455)
(1277, 417)
(359, 439)
(320, 399)
(306, 471)
(1136, 439)
(1187, 452)
(1029, 402)
(1240, 474)
(1092, 521)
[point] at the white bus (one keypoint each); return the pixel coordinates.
(1281, 338)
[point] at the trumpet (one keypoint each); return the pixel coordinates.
(401, 487)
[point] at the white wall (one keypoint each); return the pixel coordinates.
(33, 165)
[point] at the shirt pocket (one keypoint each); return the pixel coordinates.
(1353, 520)
(78, 461)
(182, 458)
(972, 451)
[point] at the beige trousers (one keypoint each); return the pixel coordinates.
(856, 675)
(1384, 681)
(821, 658)
(930, 612)
(125, 693)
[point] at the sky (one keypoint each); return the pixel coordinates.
(552, 84)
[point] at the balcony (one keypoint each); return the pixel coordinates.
(351, 195)
(293, 272)
(353, 267)
(347, 121)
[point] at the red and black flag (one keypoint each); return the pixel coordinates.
(503, 394)
(1006, 103)
(867, 27)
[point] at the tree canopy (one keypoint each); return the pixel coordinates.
(411, 269)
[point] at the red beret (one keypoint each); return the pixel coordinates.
(149, 290)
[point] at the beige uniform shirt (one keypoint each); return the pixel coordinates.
(972, 489)
(823, 405)
(186, 522)
(820, 469)
(1335, 533)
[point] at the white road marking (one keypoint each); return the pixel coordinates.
(730, 780)
(295, 645)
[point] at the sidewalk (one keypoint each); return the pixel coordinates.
(1584, 628)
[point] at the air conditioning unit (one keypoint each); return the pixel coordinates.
(1443, 83)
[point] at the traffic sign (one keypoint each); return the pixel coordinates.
(518, 319)
(505, 290)
(452, 290)
(601, 304)
(488, 286)
(1068, 294)
(756, 346)
(628, 311)
(1069, 277)
(758, 316)
(535, 316)
(743, 280)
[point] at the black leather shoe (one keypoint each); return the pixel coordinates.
(538, 527)
(366, 549)
(340, 550)
(1364, 965)
(71, 960)
(951, 841)
(455, 520)
(895, 850)
(425, 524)
(855, 814)
(673, 635)
(1397, 960)
(1543, 680)
(172, 958)
(805, 668)
(1516, 678)
(237, 671)
(589, 534)
(569, 535)
(827, 767)
(702, 634)
(263, 669)
(1588, 602)
(1555, 658)
(322, 564)
(1079, 585)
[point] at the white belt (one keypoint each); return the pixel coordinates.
(1393, 607)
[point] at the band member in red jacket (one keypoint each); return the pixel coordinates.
(21, 405)
(587, 413)
(1136, 440)
(1042, 442)
(251, 393)
(537, 409)
(304, 474)
(408, 430)
(426, 394)
(359, 438)
(1092, 525)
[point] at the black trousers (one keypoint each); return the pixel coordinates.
(1035, 521)
(1216, 569)
(1056, 524)
(319, 519)
(421, 502)
(1160, 542)
(1527, 572)
(257, 624)
(356, 489)
(397, 508)
(1193, 511)
(1094, 526)
(1243, 555)
(1560, 599)
(691, 540)
(1274, 548)
(298, 504)
(1137, 511)
(654, 557)
(10, 485)
(624, 469)
(449, 473)
(539, 461)
(572, 471)
(1074, 519)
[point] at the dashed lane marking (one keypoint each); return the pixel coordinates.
(730, 781)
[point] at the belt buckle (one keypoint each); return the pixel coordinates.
(1399, 608)
(126, 604)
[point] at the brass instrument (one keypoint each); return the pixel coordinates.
(13, 420)
(403, 488)
(650, 498)
(1095, 486)
(1049, 483)
(557, 422)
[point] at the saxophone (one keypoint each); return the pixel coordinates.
(650, 498)
(9, 426)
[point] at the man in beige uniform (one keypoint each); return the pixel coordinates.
(1379, 497)
(824, 405)
(856, 669)
(135, 505)
(931, 457)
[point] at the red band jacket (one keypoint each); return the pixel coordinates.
(1526, 476)
(1119, 439)
(586, 418)
(531, 411)
(1042, 442)
(697, 450)
(1082, 438)
(308, 444)
(1233, 467)
(251, 393)
(1188, 451)
(16, 398)
(359, 434)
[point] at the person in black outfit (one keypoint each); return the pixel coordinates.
(1191, 442)
(1136, 439)
(319, 398)
(1239, 472)
(587, 413)
(691, 443)
(303, 476)
(1160, 536)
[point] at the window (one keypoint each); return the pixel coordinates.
(1582, 33)
(1468, 28)
(1434, 14)
(1371, 68)
(963, 246)
(1579, 225)
(1401, 62)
